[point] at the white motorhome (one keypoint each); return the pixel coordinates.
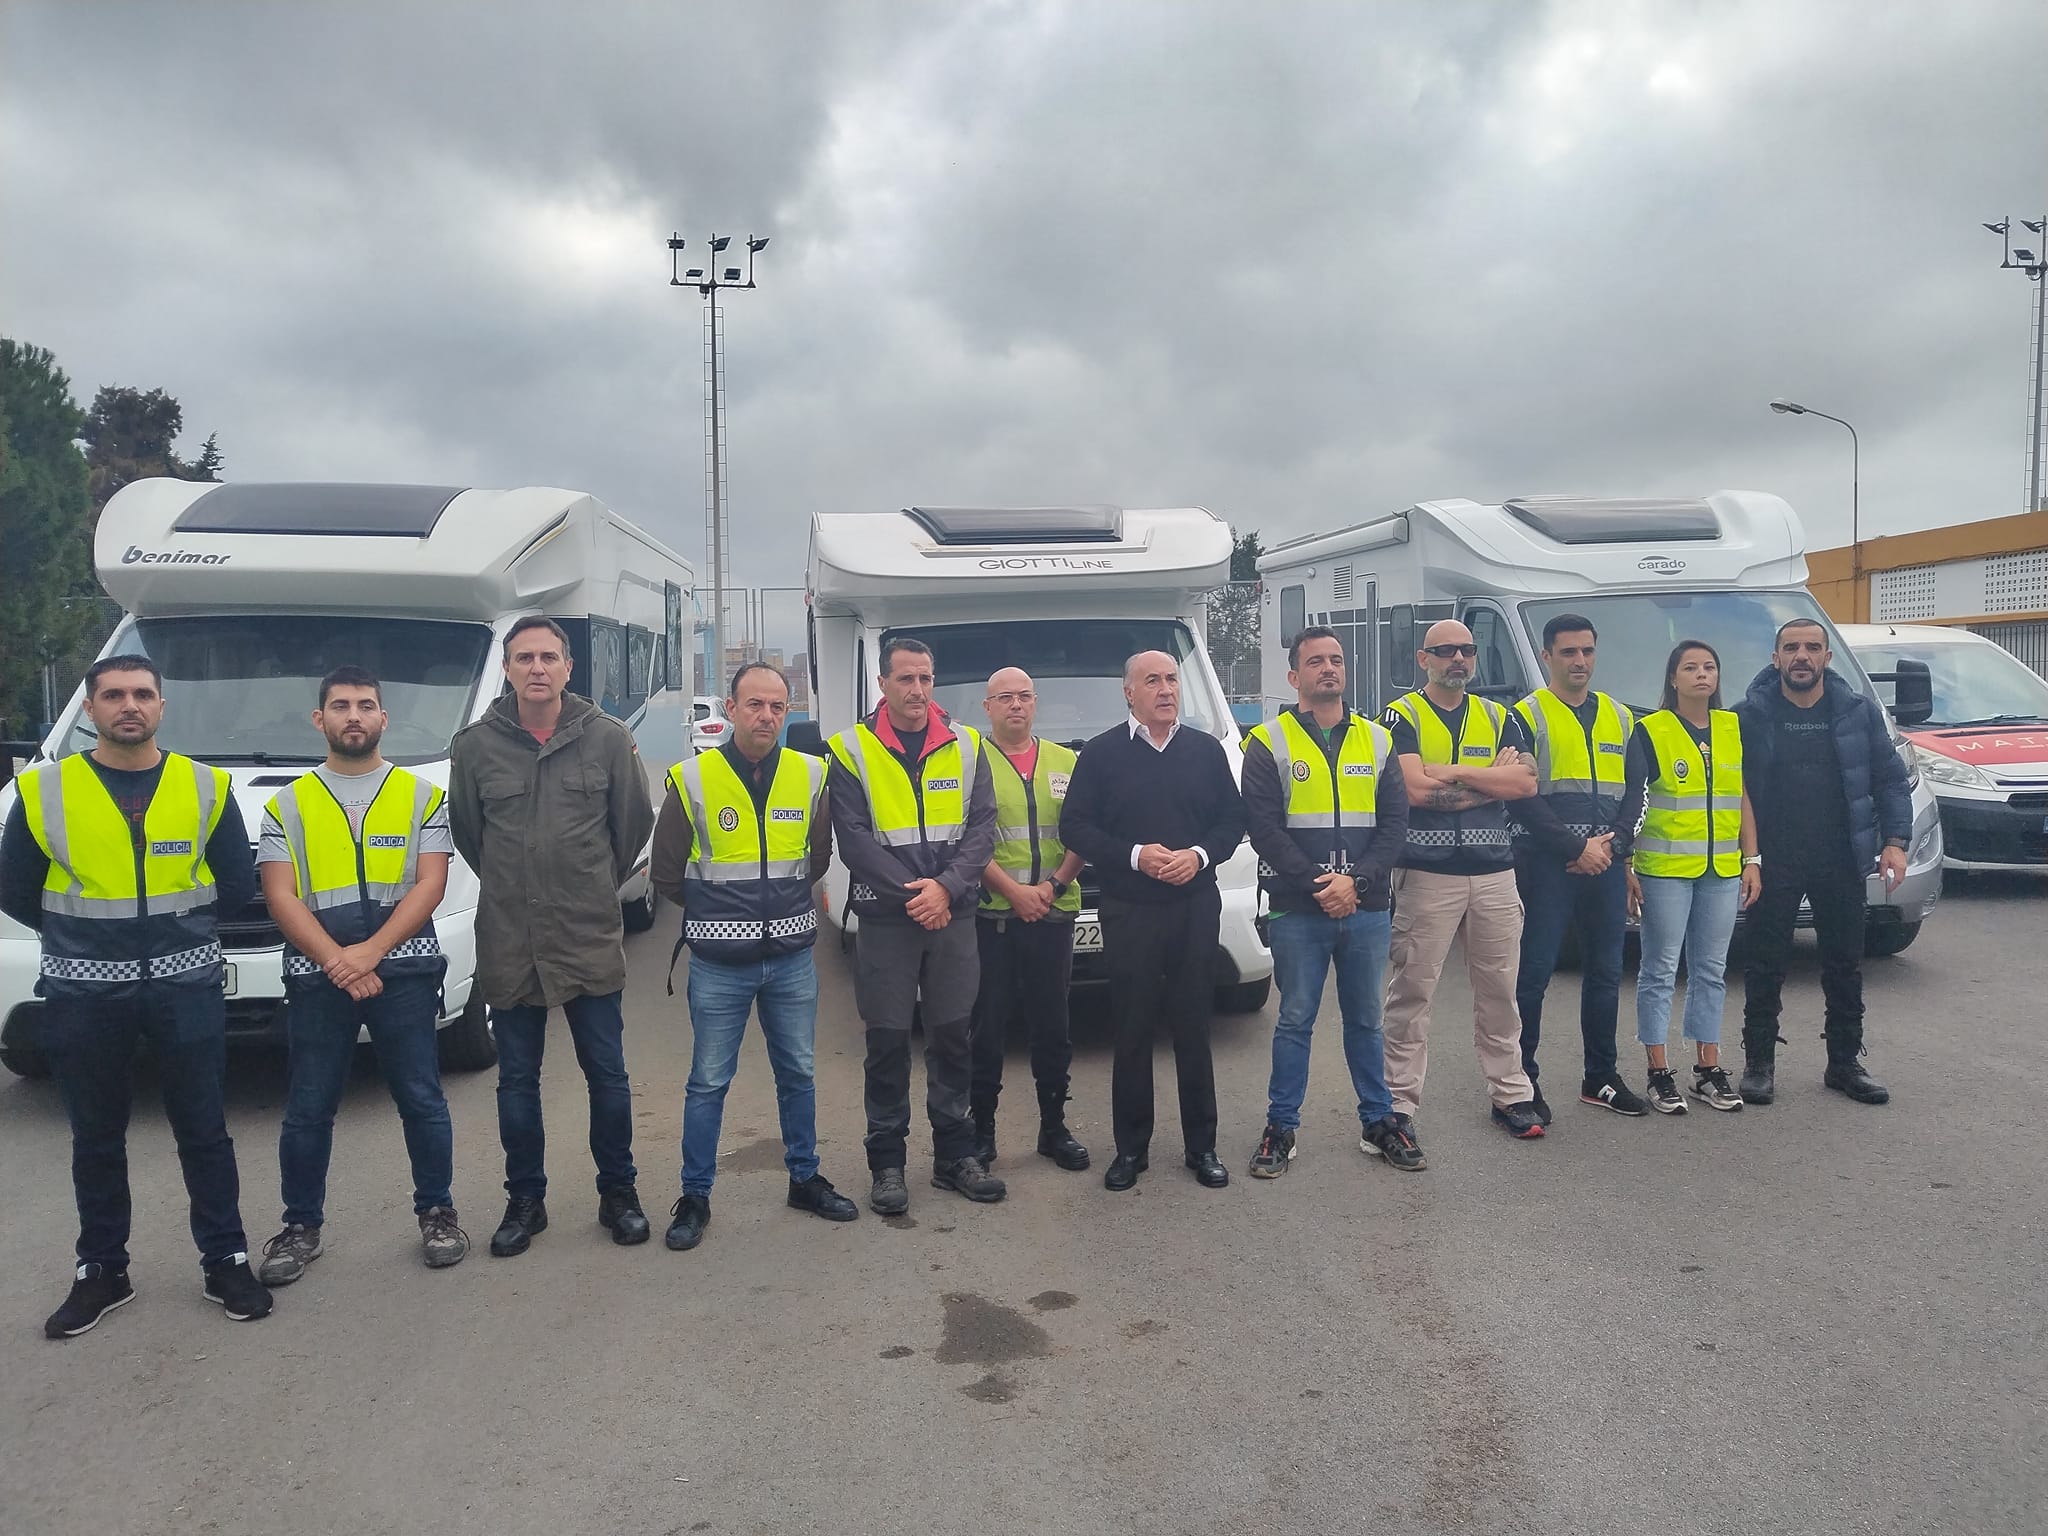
(1067, 593)
(1728, 568)
(246, 595)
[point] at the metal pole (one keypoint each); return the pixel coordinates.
(717, 495)
(1858, 604)
(2040, 276)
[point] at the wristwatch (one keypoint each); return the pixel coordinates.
(1059, 888)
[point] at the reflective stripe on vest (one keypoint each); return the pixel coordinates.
(352, 881)
(1320, 811)
(1028, 842)
(1434, 837)
(933, 812)
(1567, 763)
(1693, 808)
(113, 911)
(747, 888)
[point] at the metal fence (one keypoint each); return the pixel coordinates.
(2027, 640)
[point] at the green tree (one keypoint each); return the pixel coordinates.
(44, 525)
(128, 437)
(207, 465)
(1234, 621)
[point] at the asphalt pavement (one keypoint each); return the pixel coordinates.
(1813, 1317)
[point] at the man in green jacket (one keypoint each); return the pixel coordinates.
(549, 805)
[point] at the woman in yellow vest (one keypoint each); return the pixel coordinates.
(1694, 866)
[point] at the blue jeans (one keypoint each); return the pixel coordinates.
(786, 991)
(1304, 945)
(1597, 905)
(321, 1024)
(91, 1046)
(1698, 918)
(597, 1028)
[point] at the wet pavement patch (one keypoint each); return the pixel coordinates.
(1142, 1327)
(983, 1332)
(901, 1223)
(762, 1155)
(990, 1389)
(898, 1352)
(1052, 1301)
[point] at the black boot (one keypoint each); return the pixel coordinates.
(985, 1134)
(1759, 1083)
(1054, 1139)
(1845, 1072)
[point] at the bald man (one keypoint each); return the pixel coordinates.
(1460, 760)
(1024, 926)
(1153, 806)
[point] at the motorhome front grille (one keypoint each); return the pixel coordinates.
(1570, 520)
(1020, 525)
(250, 927)
(392, 511)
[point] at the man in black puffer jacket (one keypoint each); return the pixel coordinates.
(1832, 804)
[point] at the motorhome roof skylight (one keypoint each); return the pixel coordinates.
(1571, 520)
(1020, 525)
(394, 511)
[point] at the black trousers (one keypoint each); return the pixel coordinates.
(1835, 890)
(1026, 969)
(1161, 959)
(899, 966)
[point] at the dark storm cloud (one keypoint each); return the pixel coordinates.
(1296, 262)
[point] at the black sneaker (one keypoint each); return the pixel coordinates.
(888, 1196)
(1711, 1087)
(1276, 1151)
(1407, 1125)
(966, 1176)
(1612, 1093)
(233, 1284)
(1538, 1103)
(1664, 1095)
(94, 1293)
(1385, 1138)
(619, 1211)
(1518, 1120)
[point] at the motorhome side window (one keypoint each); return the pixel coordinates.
(1293, 613)
(1500, 667)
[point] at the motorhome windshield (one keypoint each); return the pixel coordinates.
(1076, 667)
(239, 688)
(1974, 684)
(1638, 629)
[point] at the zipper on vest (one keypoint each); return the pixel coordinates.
(1708, 754)
(1030, 813)
(761, 829)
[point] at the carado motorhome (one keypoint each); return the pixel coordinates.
(246, 595)
(1067, 593)
(1728, 568)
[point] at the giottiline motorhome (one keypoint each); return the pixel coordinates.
(1067, 593)
(1728, 568)
(246, 595)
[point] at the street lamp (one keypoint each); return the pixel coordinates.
(2034, 263)
(1856, 603)
(710, 281)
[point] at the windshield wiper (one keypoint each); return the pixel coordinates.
(266, 759)
(1958, 725)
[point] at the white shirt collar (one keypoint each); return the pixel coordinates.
(1140, 733)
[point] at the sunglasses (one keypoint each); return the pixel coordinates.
(1452, 652)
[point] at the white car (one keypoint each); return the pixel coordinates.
(710, 728)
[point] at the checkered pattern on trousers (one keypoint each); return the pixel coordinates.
(67, 968)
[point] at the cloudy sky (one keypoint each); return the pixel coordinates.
(1296, 262)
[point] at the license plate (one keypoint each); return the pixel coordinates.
(1087, 937)
(227, 979)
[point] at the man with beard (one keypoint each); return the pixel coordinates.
(354, 859)
(1832, 804)
(1461, 766)
(120, 859)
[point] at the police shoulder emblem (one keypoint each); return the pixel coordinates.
(1682, 769)
(1301, 770)
(729, 819)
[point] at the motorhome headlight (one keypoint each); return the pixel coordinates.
(1926, 842)
(1910, 756)
(1946, 770)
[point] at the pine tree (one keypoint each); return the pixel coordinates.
(44, 526)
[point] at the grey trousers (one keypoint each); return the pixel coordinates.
(896, 963)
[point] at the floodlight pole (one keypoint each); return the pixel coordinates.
(709, 282)
(2033, 261)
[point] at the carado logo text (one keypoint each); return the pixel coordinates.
(1663, 565)
(1042, 563)
(135, 556)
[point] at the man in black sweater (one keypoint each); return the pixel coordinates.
(1154, 808)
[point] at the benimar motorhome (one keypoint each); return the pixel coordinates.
(246, 595)
(1067, 593)
(1728, 569)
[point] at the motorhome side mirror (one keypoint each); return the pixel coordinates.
(804, 736)
(1912, 693)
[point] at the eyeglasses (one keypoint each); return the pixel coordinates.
(1005, 700)
(1449, 652)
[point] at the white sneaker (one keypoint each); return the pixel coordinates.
(1711, 1087)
